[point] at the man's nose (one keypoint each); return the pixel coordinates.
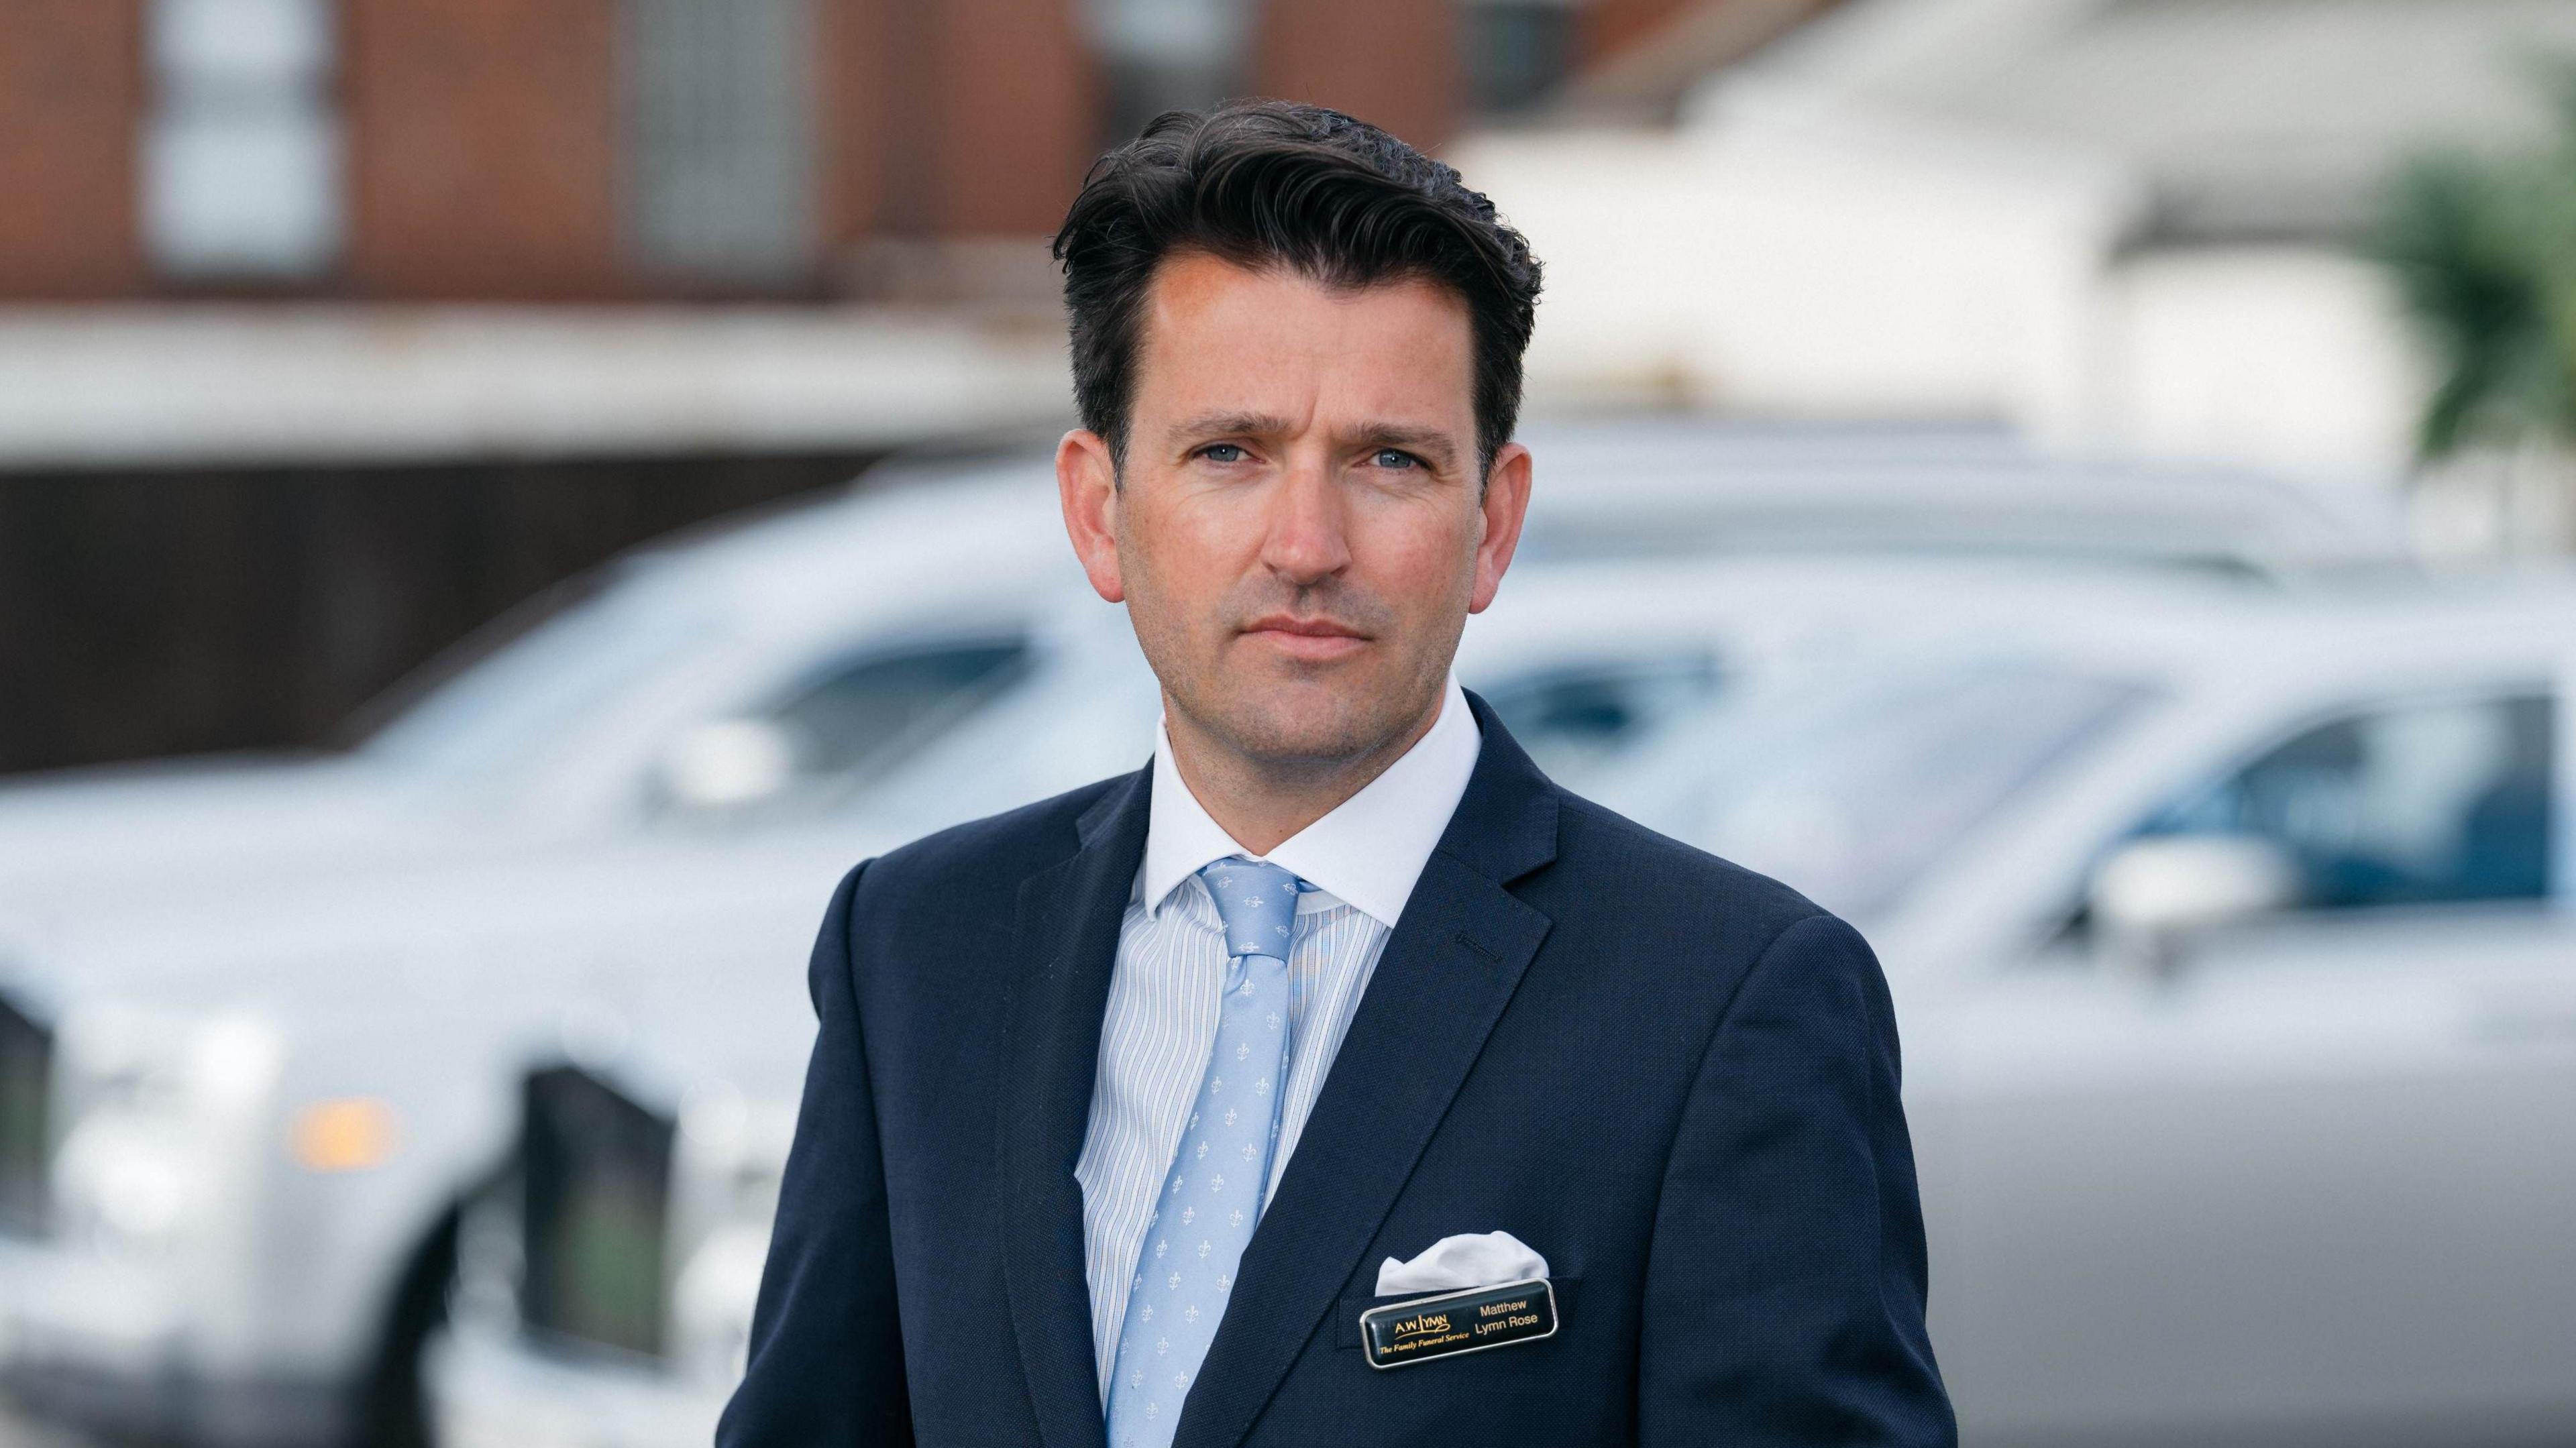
(1307, 541)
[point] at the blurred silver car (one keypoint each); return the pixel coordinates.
(2235, 946)
(2234, 941)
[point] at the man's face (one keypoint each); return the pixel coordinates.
(1298, 529)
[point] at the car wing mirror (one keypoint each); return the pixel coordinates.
(2152, 894)
(726, 764)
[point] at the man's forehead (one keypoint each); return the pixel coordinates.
(1197, 279)
(1217, 337)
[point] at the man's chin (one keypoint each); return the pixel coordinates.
(1295, 729)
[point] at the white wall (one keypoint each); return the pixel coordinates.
(2297, 358)
(1833, 263)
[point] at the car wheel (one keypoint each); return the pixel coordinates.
(392, 1413)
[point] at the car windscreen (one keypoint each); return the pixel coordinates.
(529, 682)
(1848, 793)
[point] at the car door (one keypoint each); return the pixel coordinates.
(2313, 1180)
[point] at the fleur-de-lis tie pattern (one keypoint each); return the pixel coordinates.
(1212, 1195)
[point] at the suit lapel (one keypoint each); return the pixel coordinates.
(1449, 968)
(1067, 946)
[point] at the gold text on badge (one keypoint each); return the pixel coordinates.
(1422, 1328)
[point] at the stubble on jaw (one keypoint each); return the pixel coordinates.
(1287, 724)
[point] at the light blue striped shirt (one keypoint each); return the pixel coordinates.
(1363, 859)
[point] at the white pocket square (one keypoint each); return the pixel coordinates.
(1469, 1259)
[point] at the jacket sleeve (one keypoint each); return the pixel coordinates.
(1785, 1282)
(826, 1359)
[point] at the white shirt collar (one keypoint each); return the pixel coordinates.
(1368, 852)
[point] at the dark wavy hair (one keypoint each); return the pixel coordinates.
(1275, 183)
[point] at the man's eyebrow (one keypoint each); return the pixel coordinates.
(1232, 424)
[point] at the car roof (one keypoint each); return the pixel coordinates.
(2182, 631)
(930, 521)
(2355, 634)
(1678, 484)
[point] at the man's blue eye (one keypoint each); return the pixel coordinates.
(1388, 457)
(1223, 452)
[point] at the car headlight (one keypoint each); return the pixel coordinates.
(711, 1304)
(159, 1114)
(730, 1154)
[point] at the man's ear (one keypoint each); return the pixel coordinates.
(1086, 483)
(1506, 502)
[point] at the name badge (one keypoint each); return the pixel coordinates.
(1455, 1322)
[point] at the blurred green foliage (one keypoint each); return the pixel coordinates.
(2484, 251)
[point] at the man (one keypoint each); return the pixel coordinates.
(1130, 1109)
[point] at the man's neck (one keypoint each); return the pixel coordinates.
(1261, 804)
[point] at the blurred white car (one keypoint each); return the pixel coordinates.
(696, 677)
(2234, 942)
(242, 1197)
(695, 690)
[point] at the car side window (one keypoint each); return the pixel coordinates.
(2415, 802)
(863, 716)
(839, 728)
(1574, 719)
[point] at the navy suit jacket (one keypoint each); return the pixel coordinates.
(1674, 1078)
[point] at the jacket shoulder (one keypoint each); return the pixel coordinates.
(1011, 845)
(1609, 856)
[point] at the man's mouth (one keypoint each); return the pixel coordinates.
(1313, 639)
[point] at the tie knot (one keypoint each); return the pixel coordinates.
(1258, 903)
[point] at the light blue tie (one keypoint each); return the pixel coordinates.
(1212, 1195)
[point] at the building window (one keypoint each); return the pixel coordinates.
(1517, 51)
(719, 103)
(241, 153)
(1166, 55)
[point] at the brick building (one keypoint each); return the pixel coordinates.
(330, 328)
(591, 150)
